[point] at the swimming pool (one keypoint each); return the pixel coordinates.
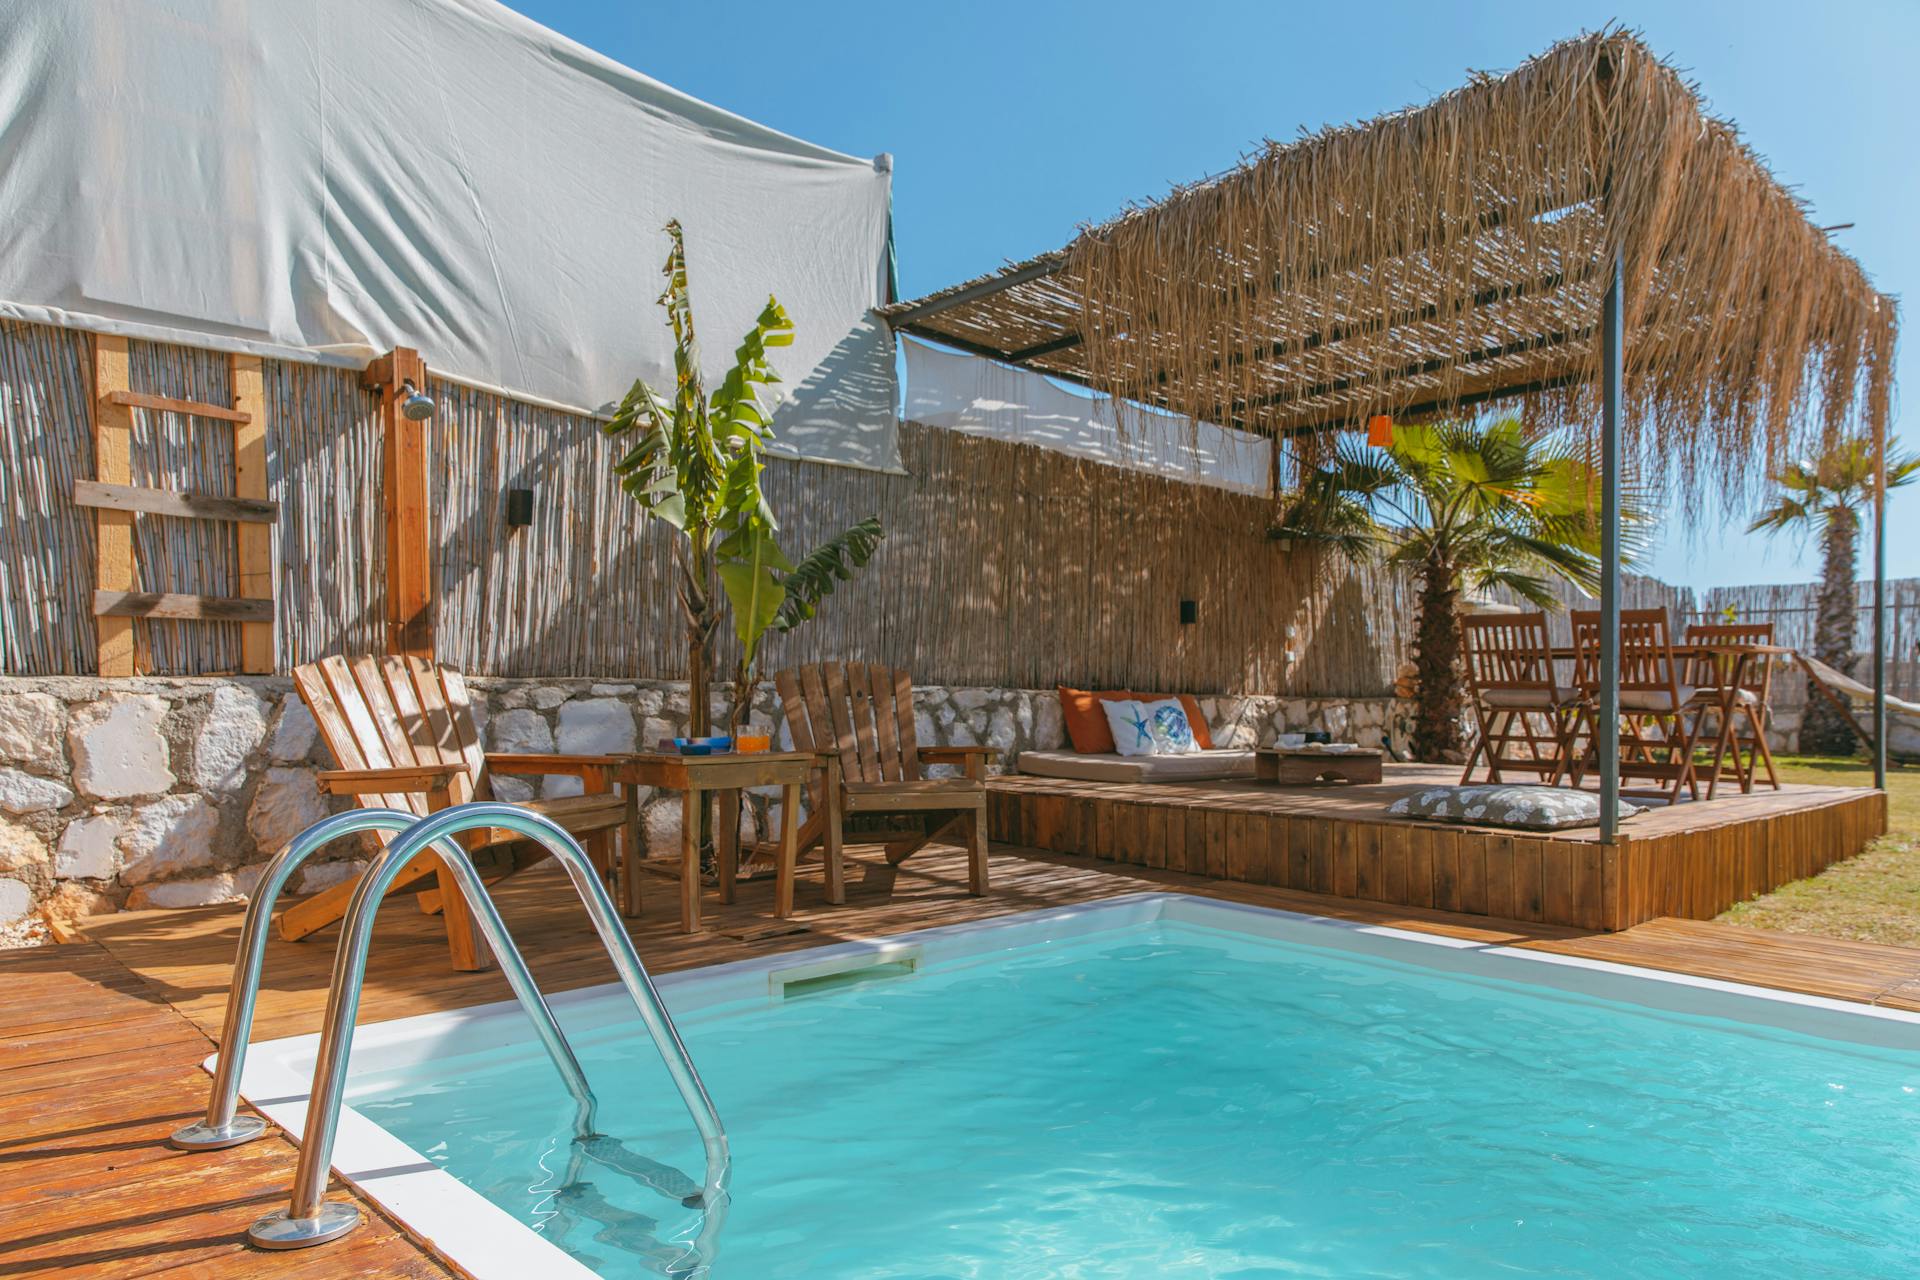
(1161, 1086)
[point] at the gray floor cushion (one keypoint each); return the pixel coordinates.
(1528, 807)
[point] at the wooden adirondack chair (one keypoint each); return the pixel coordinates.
(859, 720)
(402, 731)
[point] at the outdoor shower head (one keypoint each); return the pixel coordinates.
(418, 405)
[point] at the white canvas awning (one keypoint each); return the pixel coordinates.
(337, 177)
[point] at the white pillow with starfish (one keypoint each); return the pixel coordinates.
(1132, 728)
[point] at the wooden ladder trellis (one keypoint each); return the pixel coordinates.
(117, 599)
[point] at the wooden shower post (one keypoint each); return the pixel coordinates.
(404, 497)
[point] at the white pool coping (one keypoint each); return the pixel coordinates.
(490, 1244)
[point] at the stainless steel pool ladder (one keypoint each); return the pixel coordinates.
(310, 1218)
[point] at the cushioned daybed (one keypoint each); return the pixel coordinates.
(1196, 766)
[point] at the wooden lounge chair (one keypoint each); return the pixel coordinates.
(1517, 703)
(1657, 712)
(402, 731)
(859, 720)
(1744, 732)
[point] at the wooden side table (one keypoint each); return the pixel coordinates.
(1291, 768)
(696, 778)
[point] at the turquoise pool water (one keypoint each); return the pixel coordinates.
(1171, 1100)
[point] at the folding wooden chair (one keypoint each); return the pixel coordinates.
(1655, 729)
(1517, 703)
(1744, 711)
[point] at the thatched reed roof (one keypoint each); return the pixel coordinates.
(1456, 253)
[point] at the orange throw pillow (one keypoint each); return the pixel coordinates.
(1087, 727)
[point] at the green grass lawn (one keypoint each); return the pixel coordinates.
(1874, 897)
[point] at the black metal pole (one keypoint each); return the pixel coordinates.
(1606, 722)
(1880, 607)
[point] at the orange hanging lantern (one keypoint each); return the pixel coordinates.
(1379, 431)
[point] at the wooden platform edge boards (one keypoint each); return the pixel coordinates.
(1518, 875)
(173, 502)
(172, 604)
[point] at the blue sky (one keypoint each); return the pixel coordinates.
(1012, 124)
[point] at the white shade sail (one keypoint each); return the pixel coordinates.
(981, 397)
(338, 177)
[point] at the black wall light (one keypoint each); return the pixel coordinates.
(519, 508)
(1189, 612)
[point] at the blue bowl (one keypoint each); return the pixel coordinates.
(702, 746)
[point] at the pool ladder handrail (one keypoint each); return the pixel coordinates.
(310, 1218)
(223, 1126)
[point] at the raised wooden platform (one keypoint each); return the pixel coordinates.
(1692, 860)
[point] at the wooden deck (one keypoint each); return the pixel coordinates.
(102, 1039)
(1693, 859)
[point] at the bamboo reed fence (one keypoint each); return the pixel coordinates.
(1004, 565)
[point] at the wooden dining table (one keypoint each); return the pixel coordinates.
(1732, 665)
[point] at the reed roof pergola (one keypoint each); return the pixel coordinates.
(1457, 253)
(1578, 235)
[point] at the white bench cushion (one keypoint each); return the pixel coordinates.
(1192, 766)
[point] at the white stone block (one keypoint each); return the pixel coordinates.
(1001, 731)
(30, 728)
(21, 848)
(89, 849)
(16, 900)
(235, 725)
(559, 785)
(25, 793)
(118, 752)
(206, 891)
(660, 827)
(1049, 724)
(169, 835)
(294, 735)
(596, 726)
(972, 699)
(513, 732)
(287, 803)
(546, 698)
(511, 788)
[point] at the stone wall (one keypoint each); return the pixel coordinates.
(124, 794)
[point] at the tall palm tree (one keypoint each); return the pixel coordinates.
(1475, 504)
(1824, 496)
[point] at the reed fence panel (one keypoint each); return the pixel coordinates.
(1004, 565)
(46, 542)
(1793, 609)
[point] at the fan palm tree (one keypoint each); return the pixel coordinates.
(1477, 504)
(1824, 496)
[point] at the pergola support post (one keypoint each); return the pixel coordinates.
(1880, 601)
(1606, 723)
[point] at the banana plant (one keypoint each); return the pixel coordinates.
(696, 463)
(770, 593)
